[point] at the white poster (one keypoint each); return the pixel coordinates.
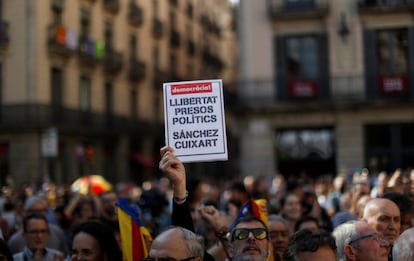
(194, 120)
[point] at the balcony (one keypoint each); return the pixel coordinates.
(385, 6)
(57, 41)
(135, 15)
(90, 52)
(293, 10)
(112, 61)
(136, 71)
(4, 35)
(111, 6)
(175, 38)
(157, 28)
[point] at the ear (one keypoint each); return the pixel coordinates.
(350, 252)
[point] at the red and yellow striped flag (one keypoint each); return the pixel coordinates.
(135, 238)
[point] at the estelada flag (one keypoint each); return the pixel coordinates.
(135, 238)
(256, 208)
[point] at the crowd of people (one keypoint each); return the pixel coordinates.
(354, 216)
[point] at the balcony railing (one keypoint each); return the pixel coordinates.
(90, 52)
(29, 116)
(344, 90)
(175, 39)
(111, 6)
(57, 41)
(4, 34)
(380, 6)
(157, 28)
(113, 61)
(302, 9)
(135, 15)
(136, 70)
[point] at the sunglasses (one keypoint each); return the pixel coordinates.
(149, 258)
(243, 233)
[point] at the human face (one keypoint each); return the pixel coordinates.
(279, 237)
(367, 246)
(251, 248)
(86, 210)
(86, 248)
(292, 208)
(169, 245)
(36, 234)
(108, 201)
(324, 253)
(386, 220)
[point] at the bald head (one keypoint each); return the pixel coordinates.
(177, 243)
(383, 215)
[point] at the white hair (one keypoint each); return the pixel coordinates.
(403, 248)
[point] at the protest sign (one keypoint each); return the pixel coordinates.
(194, 120)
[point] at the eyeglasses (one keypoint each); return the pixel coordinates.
(37, 231)
(149, 258)
(373, 234)
(243, 233)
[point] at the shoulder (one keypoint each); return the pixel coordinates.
(19, 256)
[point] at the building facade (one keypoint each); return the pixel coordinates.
(81, 81)
(325, 86)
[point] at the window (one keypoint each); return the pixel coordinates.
(57, 8)
(134, 103)
(389, 146)
(84, 22)
(392, 55)
(108, 33)
(85, 94)
(306, 150)
(302, 66)
(57, 94)
(133, 45)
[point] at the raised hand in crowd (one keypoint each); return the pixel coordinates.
(174, 169)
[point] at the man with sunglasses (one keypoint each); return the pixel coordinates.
(250, 240)
(358, 241)
(176, 244)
